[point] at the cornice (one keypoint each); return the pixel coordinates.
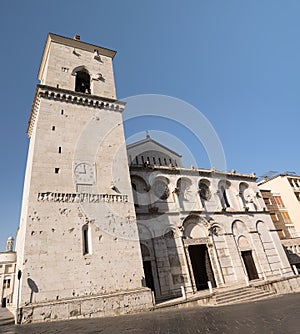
(182, 171)
(68, 96)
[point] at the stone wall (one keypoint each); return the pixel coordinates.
(95, 306)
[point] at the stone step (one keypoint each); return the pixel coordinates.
(234, 294)
(248, 295)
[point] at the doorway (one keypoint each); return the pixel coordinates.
(148, 275)
(201, 266)
(249, 264)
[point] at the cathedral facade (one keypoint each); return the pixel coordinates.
(200, 228)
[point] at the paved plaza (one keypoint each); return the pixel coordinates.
(276, 315)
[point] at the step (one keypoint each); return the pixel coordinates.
(249, 297)
(240, 294)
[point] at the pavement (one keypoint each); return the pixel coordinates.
(273, 315)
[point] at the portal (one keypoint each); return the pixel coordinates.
(249, 264)
(201, 265)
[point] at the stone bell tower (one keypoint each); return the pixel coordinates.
(78, 253)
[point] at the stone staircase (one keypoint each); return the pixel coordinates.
(240, 295)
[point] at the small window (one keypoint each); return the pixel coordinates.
(62, 112)
(56, 170)
(59, 149)
(6, 283)
(53, 128)
(86, 245)
(57, 86)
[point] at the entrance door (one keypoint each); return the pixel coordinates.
(249, 264)
(148, 275)
(201, 266)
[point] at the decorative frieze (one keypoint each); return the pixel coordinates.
(196, 241)
(81, 198)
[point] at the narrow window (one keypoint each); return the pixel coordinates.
(223, 197)
(53, 128)
(165, 160)
(159, 160)
(57, 86)
(85, 240)
(62, 112)
(56, 170)
(136, 160)
(59, 149)
(143, 161)
(154, 161)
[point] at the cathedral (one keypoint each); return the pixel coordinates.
(107, 229)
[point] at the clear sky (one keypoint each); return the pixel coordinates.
(236, 61)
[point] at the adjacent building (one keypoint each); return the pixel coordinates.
(282, 196)
(7, 273)
(287, 187)
(279, 214)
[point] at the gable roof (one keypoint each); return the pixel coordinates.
(148, 139)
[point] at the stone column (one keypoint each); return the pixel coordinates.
(163, 266)
(184, 263)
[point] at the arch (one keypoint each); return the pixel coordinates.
(243, 187)
(223, 186)
(171, 232)
(80, 69)
(238, 227)
(160, 187)
(145, 250)
(144, 232)
(243, 243)
(204, 190)
(263, 231)
(83, 80)
(140, 187)
(183, 192)
(247, 197)
(216, 229)
(194, 228)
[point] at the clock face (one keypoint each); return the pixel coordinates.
(84, 173)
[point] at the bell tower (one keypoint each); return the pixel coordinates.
(78, 253)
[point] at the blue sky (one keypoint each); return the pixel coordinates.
(236, 61)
